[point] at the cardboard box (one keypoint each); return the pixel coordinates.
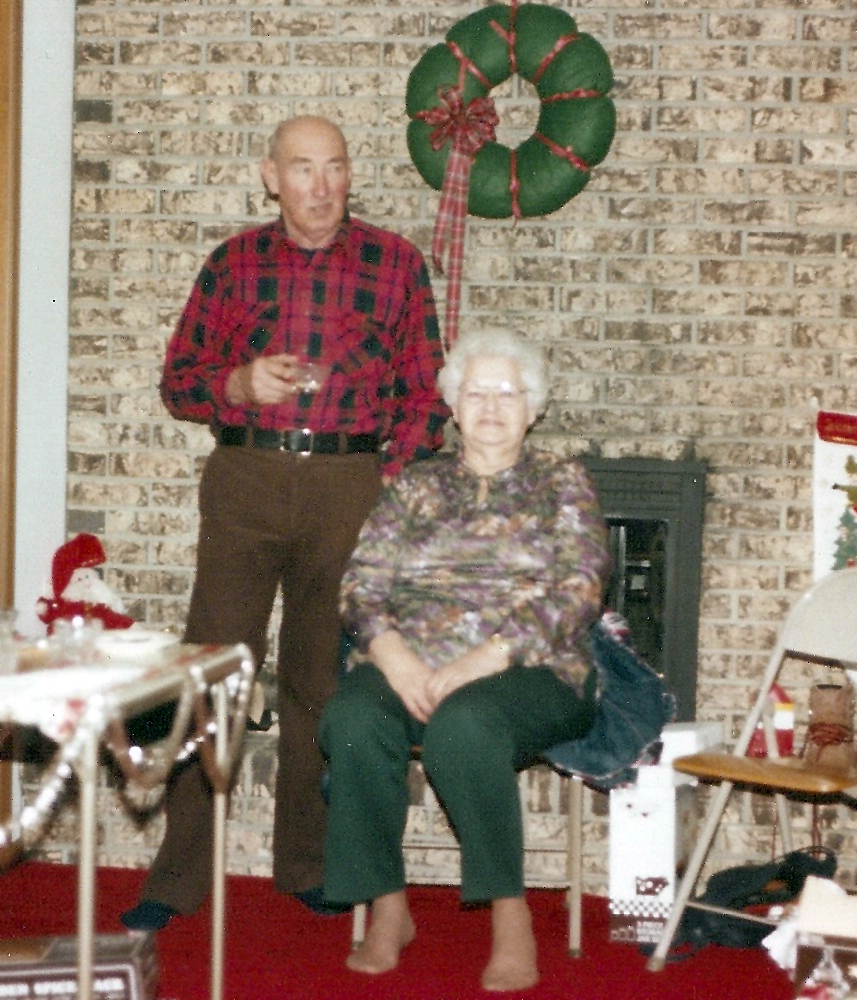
(651, 832)
(683, 738)
(125, 967)
(826, 960)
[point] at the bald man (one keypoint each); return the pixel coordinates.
(294, 472)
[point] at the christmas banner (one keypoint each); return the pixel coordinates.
(835, 492)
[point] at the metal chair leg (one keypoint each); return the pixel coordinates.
(574, 862)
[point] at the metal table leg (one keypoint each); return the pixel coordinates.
(218, 924)
(87, 772)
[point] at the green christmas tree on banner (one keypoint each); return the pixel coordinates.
(845, 554)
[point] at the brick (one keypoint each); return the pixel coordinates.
(86, 464)
(681, 180)
(806, 58)
(790, 244)
(627, 56)
(783, 304)
(201, 143)
(656, 150)
(382, 24)
(759, 275)
(819, 183)
(92, 316)
(785, 120)
(754, 212)
(196, 24)
(101, 495)
(746, 88)
(744, 516)
(89, 288)
(201, 202)
(161, 465)
(784, 364)
(153, 113)
(273, 84)
(697, 301)
(151, 582)
(731, 27)
(94, 53)
(119, 84)
(135, 232)
(249, 53)
(155, 172)
(656, 26)
(829, 27)
(93, 111)
(826, 90)
(207, 81)
(116, 23)
(702, 58)
(174, 554)
(702, 120)
(107, 201)
(160, 53)
(114, 142)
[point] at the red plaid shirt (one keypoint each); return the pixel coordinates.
(363, 304)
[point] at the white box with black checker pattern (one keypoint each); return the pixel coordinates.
(652, 828)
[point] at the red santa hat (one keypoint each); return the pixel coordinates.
(82, 552)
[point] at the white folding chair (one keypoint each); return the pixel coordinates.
(820, 629)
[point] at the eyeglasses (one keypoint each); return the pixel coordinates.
(504, 394)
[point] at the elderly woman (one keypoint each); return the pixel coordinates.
(469, 598)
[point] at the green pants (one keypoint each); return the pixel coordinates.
(473, 746)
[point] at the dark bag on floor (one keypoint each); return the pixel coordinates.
(748, 887)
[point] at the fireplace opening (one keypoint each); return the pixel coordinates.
(636, 588)
(654, 510)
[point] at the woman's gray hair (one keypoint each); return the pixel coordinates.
(494, 343)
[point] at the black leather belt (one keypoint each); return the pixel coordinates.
(299, 442)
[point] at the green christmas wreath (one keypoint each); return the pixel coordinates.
(577, 120)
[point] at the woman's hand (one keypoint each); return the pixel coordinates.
(406, 673)
(482, 661)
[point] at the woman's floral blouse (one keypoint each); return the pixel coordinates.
(448, 569)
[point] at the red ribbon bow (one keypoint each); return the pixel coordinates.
(468, 129)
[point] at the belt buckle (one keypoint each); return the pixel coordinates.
(300, 441)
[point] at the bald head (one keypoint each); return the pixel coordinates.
(303, 123)
(307, 169)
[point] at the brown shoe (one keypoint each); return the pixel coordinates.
(830, 733)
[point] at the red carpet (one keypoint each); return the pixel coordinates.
(276, 950)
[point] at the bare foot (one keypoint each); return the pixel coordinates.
(390, 930)
(512, 965)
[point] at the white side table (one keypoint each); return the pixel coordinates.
(84, 707)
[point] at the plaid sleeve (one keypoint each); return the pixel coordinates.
(197, 362)
(416, 413)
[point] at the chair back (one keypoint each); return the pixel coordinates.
(822, 625)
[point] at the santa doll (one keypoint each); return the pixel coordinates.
(78, 590)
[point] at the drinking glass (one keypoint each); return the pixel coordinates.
(310, 376)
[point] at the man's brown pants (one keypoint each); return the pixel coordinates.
(269, 519)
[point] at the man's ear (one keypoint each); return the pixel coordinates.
(268, 171)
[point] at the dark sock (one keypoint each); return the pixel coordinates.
(148, 915)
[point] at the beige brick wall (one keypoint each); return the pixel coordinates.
(697, 297)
